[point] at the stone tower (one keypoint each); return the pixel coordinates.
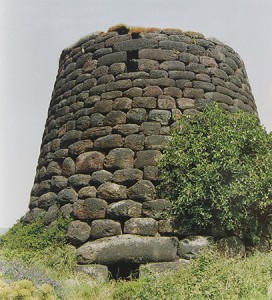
(115, 99)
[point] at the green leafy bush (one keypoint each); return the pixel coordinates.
(217, 171)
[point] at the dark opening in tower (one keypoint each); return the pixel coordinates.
(132, 63)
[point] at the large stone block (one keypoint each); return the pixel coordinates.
(128, 249)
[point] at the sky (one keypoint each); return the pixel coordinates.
(34, 32)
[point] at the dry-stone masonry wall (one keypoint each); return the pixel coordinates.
(116, 96)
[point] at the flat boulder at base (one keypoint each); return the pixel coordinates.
(128, 248)
(162, 267)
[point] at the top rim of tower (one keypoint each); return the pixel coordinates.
(122, 29)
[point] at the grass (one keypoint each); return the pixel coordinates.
(46, 270)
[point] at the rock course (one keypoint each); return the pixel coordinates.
(115, 99)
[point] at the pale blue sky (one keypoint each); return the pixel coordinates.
(34, 32)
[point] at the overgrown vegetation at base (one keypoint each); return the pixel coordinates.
(217, 172)
(209, 277)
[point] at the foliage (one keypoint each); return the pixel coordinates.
(22, 240)
(25, 290)
(208, 277)
(217, 170)
(33, 248)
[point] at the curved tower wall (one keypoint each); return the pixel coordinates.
(115, 99)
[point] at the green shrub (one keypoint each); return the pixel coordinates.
(39, 246)
(217, 171)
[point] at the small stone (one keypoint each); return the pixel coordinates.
(66, 196)
(147, 65)
(133, 92)
(115, 117)
(90, 208)
(231, 247)
(144, 102)
(125, 209)
(156, 142)
(98, 273)
(108, 142)
(122, 104)
(111, 191)
(165, 227)
(185, 103)
(162, 116)
(103, 228)
(119, 85)
(51, 215)
(117, 68)
(147, 158)
(193, 93)
(80, 147)
(96, 132)
(150, 128)
(103, 106)
(87, 192)
(135, 142)
(89, 162)
(70, 137)
(111, 95)
(100, 177)
(141, 226)
(151, 173)
(53, 169)
(46, 200)
(112, 58)
(79, 180)
(66, 210)
(157, 54)
(192, 246)
(172, 65)
(156, 208)
(97, 119)
(58, 183)
(166, 102)
(127, 176)
(143, 190)
(152, 91)
(208, 61)
(119, 159)
(136, 115)
(78, 232)
(126, 129)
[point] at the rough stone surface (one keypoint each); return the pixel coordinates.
(125, 209)
(103, 228)
(90, 208)
(141, 226)
(128, 249)
(231, 247)
(162, 268)
(98, 273)
(78, 232)
(192, 246)
(116, 97)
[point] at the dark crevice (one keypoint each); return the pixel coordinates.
(135, 35)
(122, 30)
(132, 63)
(124, 271)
